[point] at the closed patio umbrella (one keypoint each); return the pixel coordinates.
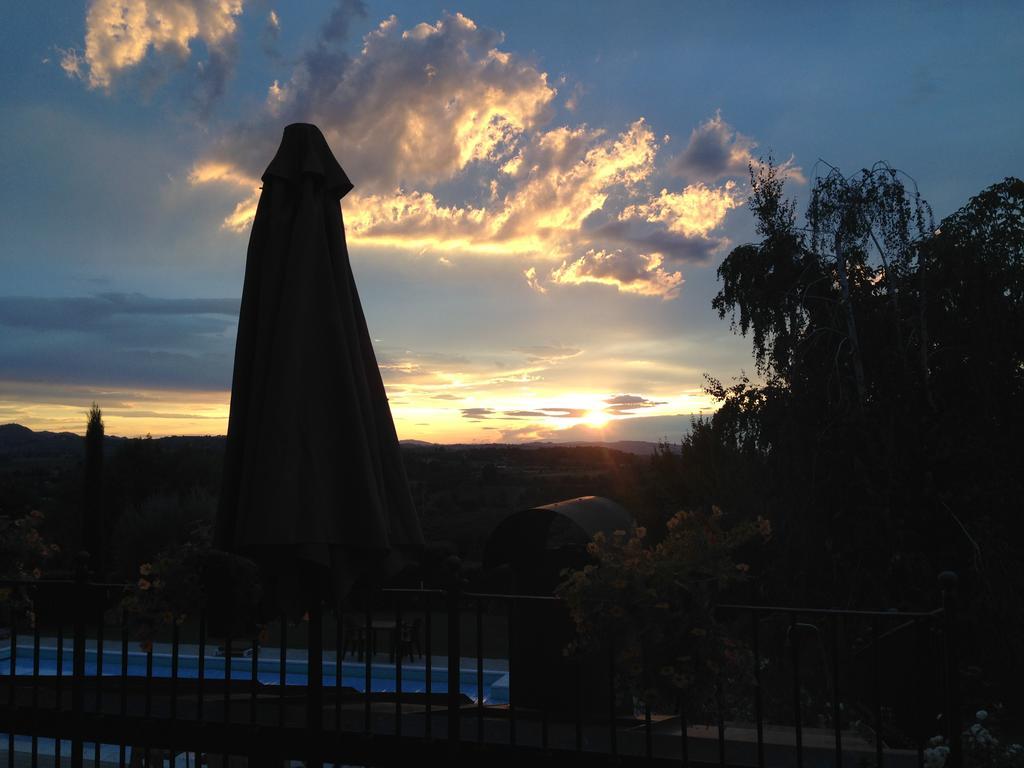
(314, 490)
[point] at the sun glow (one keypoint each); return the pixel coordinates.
(596, 419)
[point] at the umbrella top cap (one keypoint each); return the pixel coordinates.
(304, 150)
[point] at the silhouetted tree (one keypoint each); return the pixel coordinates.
(883, 440)
(92, 502)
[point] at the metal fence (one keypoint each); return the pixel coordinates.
(416, 675)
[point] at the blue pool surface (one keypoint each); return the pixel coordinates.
(353, 673)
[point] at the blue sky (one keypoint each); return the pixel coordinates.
(543, 189)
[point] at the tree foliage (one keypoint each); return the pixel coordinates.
(883, 436)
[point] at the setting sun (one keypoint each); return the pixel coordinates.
(596, 419)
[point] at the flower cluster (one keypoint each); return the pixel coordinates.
(23, 555)
(168, 589)
(655, 606)
(981, 748)
(182, 579)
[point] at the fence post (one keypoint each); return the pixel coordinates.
(78, 657)
(314, 674)
(948, 583)
(454, 598)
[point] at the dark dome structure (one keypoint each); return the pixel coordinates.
(536, 544)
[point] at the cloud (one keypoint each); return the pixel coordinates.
(637, 273)
(549, 353)
(271, 34)
(697, 210)
(449, 141)
(716, 151)
(477, 414)
(120, 35)
(119, 340)
(547, 413)
(626, 404)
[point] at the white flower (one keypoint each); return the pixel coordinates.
(935, 757)
(981, 714)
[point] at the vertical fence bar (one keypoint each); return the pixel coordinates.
(919, 719)
(720, 716)
(837, 712)
(876, 685)
(315, 674)
(12, 694)
(59, 671)
(99, 655)
(684, 737)
(758, 700)
(339, 657)
(480, 669)
(175, 653)
(429, 631)
(149, 679)
(35, 689)
(648, 736)
(282, 667)
(368, 643)
(123, 692)
(228, 650)
(254, 687)
(948, 583)
(794, 640)
(510, 641)
(544, 709)
(99, 671)
(78, 661)
(613, 740)
(579, 704)
(201, 665)
(454, 657)
(397, 653)
(58, 693)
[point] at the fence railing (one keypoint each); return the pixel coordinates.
(420, 674)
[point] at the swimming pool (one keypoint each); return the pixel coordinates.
(383, 677)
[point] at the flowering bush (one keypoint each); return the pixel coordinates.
(23, 555)
(655, 605)
(185, 577)
(981, 749)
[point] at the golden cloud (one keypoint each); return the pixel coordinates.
(120, 33)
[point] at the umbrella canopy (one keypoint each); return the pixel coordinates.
(314, 489)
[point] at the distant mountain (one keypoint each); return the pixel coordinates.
(638, 447)
(16, 440)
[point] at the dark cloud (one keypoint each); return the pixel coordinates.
(626, 404)
(271, 35)
(557, 413)
(715, 151)
(119, 340)
(212, 77)
(548, 354)
(677, 248)
(477, 414)
(85, 312)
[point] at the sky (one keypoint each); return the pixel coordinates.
(543, 190)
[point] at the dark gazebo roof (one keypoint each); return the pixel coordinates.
(524, 534)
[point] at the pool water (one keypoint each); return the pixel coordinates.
(383, 677)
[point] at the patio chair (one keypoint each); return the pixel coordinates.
(409, 639)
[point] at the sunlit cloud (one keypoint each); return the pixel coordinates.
(697, 210)
(448, 139)
(716, 151)
(639, 273)
(122, 34)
